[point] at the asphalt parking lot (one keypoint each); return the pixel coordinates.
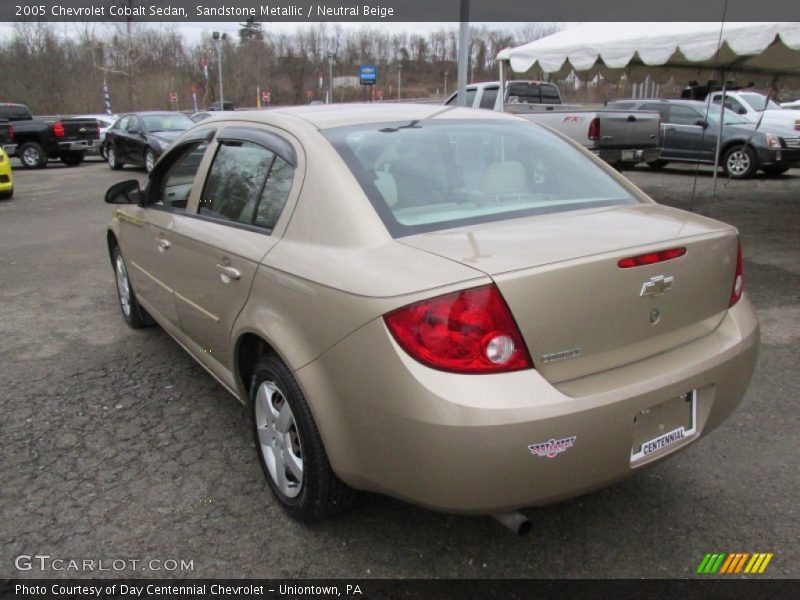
(116, 445)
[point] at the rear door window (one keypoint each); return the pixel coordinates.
(489, 97)
(683, 115)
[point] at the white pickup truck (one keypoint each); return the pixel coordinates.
(620, 137)
(754, 106)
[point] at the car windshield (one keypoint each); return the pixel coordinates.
(166, 122)
(433, 175)
(758, 101)
(731, 118)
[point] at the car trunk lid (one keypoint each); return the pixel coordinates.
(577, 309)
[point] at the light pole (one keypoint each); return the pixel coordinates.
(218, 39)
(331, 58)
(399, 77)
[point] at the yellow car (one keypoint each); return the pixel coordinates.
(6, 180)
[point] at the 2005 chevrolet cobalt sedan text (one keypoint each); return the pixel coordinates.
(453, 307)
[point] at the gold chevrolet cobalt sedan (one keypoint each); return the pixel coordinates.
(457, 308)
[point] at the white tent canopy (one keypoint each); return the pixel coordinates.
(764, 54)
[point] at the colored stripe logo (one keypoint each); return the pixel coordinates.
(734, 562)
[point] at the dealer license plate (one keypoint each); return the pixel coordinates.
(663, 426)
(628, 155)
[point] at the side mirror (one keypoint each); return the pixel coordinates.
(742, 110)
(134, 130)
(701, 123)
(125, 192)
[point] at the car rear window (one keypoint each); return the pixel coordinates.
(434, 175)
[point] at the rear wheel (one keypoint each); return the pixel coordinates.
(740, 162)
(32, 155)
(135, 316)
(290, 448)
(775, 170)
(149, 160)
(111, 158)
(657, 165)
(72, 159)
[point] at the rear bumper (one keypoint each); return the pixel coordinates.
(460, 443)
(74, 146)
(11, 149)
(629, 156)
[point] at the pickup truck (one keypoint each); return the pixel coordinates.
(621, 138)
(7, 137)
(39, 140)
(753, 106)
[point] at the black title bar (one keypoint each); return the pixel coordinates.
(399, 10)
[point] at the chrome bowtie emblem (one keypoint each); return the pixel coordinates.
(656, 286)
(82, 130)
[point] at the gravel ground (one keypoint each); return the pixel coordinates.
(116, 445)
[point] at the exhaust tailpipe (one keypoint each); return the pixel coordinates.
(515, 521)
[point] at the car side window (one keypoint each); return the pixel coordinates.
(661, 109)
(133, 124)
(122, 124)
(172, 189)
(276, 191)
(683, 115)
(235, 182)
(489, 97)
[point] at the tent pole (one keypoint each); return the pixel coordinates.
(719, 132)
(463, 51)
(502, 90)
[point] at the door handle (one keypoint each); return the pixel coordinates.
(163, 244)
(227, 273)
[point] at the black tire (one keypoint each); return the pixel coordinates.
(136, 316)
(7, 194)
(72, 159)
(32, 155)
(150, 159)
(657, 165)
(740, 162)
(775, 170)
(321, 493)
(111, 158)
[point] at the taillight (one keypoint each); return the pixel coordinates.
(651, 258)
(594, 129)
(10, 133)
(471, 331)
(738, 280)
(58, 130)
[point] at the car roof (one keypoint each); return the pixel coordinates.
(685, 102)
(326, 116)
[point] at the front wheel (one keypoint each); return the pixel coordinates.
(149, 160)
(111, 158)
(290, 448)
(740, 162)
(134, 314)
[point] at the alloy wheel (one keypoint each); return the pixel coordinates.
(30, 157)
(278, 439)
(738, 163)
(123, 287)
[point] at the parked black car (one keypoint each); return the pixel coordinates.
(140, 138)
(688, 136)
(38, 140)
